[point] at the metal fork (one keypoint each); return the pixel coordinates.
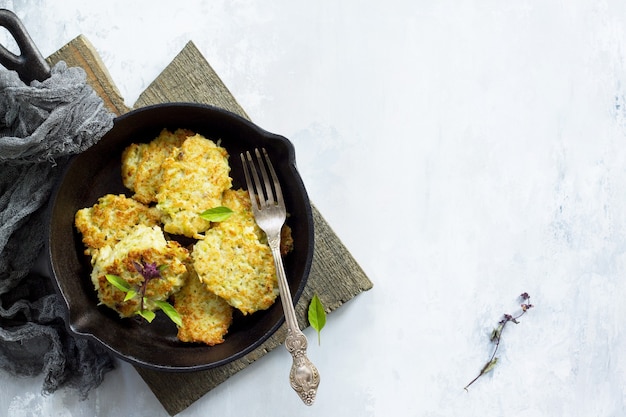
(270, 214)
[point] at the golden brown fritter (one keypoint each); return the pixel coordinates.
(110, 219)
(205, 316)
(143, 245)
(194, 176)
(141, 163)
(234, 261)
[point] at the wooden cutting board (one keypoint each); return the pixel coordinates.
(335, 275)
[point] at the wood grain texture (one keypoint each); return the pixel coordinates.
(335, 275)
(80, 53)
(189, 77)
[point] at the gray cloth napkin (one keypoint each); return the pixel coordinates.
(41, 126)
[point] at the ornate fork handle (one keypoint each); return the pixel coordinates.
(270, 214)
(304, 376)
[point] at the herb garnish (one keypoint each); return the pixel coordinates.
(149, 271)
(317, 316)
(496, 336)
(216, 214)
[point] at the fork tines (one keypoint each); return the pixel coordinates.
(261, 197)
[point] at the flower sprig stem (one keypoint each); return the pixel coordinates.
(148, 271)
(496, 336)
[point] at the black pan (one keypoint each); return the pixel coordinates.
(97, 172)
(29, 65)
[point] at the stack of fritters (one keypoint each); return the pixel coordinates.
(184, 173)
(175, 178)
(118, 231)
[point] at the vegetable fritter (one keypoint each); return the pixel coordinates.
(234, 260)
(143, 245)
(141, 163)
(111, 219)
(193, 178)
(206, 317)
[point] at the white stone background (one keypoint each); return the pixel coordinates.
(464, 151)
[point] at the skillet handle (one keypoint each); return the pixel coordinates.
(29, 65)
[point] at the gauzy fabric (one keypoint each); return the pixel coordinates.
(41, 126)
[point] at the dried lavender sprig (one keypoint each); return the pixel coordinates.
(496, 336)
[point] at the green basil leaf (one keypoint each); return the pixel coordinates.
(130, 294)
(147, 314)
(170, 312)
(317, 316)
(216, 214)
(118, 282)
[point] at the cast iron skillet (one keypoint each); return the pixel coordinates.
(96, 172)
(29, 65)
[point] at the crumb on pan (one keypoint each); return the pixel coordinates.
(286, 240)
